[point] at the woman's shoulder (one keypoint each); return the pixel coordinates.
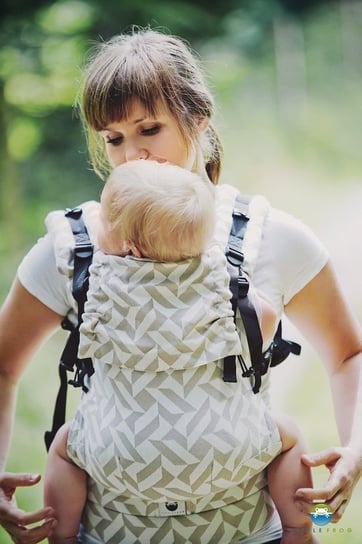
(58, 225)
(291, 254)
(285, 230)
(46, 270)
(60, 232)
(283, 250)
(279, 226)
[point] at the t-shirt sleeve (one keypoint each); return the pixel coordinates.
(291, 255)
(38, 273)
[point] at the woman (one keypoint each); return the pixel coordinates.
(144, 98)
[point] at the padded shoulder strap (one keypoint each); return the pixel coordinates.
(238, 261)
(245, 237)
(69, 361)
(83, 255)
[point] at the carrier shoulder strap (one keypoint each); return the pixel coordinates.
(69, 361)
(241, 302)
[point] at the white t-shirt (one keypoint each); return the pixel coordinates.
(289, 257)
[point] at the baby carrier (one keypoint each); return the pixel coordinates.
(242, 249)
(175, 456)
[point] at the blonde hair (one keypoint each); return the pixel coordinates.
(155, 68)
(166, 211)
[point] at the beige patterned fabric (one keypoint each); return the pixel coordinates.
(224, 522)
(201, 446)
(168, 436)
(156, 317)
(174, 454)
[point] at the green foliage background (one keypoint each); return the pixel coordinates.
(287, 81)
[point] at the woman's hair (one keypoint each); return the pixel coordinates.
(155, 68)
(167, 212)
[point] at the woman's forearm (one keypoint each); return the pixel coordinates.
(346, 387)
(7, 410)
(25, 322)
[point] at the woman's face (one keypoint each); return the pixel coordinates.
(143, 137)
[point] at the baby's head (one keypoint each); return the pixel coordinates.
(156, 210)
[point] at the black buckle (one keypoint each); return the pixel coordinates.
(73, 212)
(235, 257)
(67, 325)
(239, 213)
(243, 285)
(83, 245)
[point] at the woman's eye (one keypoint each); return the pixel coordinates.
(117, 140)
(151, 130)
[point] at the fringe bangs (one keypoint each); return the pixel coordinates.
(121, 72)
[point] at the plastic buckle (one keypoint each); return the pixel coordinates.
(243, 285)
(239, 213)
(73, 212)
(67, 325)
(83, 244)
(235, 256)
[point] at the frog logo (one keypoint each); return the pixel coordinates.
(321, 514)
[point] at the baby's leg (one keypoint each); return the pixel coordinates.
(65, 489)
(286, 474)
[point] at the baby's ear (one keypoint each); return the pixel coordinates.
(133, 249)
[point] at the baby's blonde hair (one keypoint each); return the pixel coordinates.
(166, 211)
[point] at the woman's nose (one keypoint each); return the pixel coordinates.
(134, 153)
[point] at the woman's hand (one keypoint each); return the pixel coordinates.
(18, 523)
(345, 468)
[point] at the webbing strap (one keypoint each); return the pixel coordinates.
(83, 254)
(280, 348)
(59, 408)
(235, 258)
(240, 302)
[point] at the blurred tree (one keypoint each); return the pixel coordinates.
(42, 45)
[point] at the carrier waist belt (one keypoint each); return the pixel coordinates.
(138, 507)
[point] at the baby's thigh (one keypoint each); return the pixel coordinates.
(59, 444)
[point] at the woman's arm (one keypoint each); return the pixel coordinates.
(24, 323)
(323, 316)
